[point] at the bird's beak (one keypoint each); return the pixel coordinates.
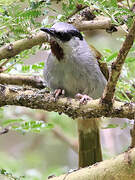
(50, 31)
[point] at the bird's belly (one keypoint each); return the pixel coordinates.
(74, 78)
(72, 84)
(65, 77)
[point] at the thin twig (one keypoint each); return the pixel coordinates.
(76, 11)
(11, 65)
(4, 131)
(132, 132)
(4, 63)
(72, 143)
(58, 132)
(116, 67)
(128, 4)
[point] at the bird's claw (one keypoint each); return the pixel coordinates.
(83, 98)
(58, 92)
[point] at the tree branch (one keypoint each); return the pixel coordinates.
(132, 132)
(37, 99)
(97, 23)
(116, 67)
(72, 143)
(33, 81)
(59, 133)
(121, 167)
(12, 49)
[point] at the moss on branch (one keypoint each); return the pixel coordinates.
(38, 99)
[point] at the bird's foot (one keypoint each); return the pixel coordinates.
(83, 98)
(58, 92)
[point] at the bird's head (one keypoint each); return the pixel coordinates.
(62, 35)
(63, 32)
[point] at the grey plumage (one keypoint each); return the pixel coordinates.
(73, 67)
(78, 71)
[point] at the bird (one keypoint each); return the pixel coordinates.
(72, 66)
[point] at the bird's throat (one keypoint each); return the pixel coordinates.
(57, 50)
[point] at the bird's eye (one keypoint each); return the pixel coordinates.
(63, 36)
(76, 34)
(58, 34)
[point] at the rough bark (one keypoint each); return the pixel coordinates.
(116, 67)
(120, 168)
(38, 99)
(33, 81)
(12, 49)
(98, 23)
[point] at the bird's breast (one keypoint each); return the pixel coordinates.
(75, 72)
(57, 50)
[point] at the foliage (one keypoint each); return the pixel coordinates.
(9, 175)
(27, 126)
(21, 19)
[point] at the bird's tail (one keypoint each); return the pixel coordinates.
(89, 142)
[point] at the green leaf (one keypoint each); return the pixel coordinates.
(2, 171)
(11, 121)
(130, 59)
(38, 66)
(25, 68)
(111, 126)
(112, 56)
(125, 125)
(32, 126)
(108, 51)
(113, 3)
(10, 175)
(1, 109)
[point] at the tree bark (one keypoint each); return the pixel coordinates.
(12, 49)
(116, 67)
(39, 99)
(120, 168)
(20, 80)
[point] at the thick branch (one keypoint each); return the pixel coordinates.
(117, 67)
(12, 49)
(37, 99)
(120, 168)
(101, 23)
(33, 81)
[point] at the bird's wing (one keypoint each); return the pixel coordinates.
(103, 65)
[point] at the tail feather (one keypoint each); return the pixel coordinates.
(89, 142)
